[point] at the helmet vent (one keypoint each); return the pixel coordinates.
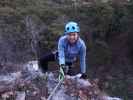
(67, 28)
(73, 27)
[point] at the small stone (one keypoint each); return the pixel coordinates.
(5, 96)
(35, 93)
(20, 96)
(43, 98)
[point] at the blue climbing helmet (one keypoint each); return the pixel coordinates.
(72, 27)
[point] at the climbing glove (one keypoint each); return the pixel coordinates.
(83, 76)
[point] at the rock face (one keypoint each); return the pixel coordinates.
(74, 88)
(29, 84)
(25, 84)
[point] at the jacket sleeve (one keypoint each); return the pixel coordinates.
(61, 52)
(83, 58)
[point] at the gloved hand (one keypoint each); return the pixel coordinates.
(83, 76)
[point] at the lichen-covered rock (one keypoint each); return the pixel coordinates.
(74, 88)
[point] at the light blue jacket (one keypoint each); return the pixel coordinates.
(68, 52)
